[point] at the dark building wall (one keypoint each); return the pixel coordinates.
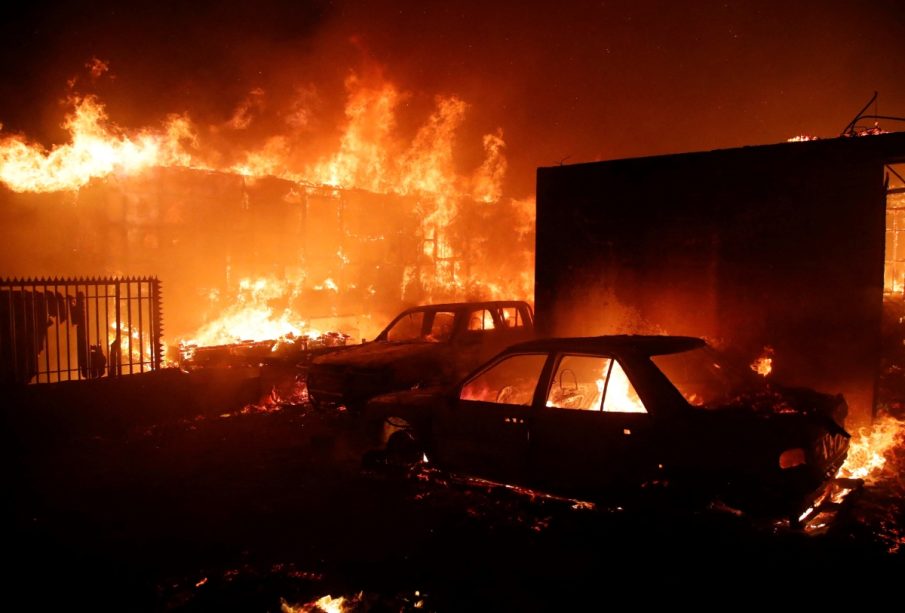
(779, 245)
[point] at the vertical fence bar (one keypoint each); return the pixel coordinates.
(47, 332)
(56, 298)
(85, 329)
(34, 334)
(97, 325)
(157, 330)
(141, 346)
(118, 338)
(152, 321)
(81, 345)
(108, 347)
(129, 319)
(69, 318)
(12, 335)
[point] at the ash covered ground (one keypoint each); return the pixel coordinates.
(267, 509)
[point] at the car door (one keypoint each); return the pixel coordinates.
(593, 431)
(485, 430)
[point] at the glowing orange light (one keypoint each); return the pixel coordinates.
(870, 449)
(763, 365)
(370, 155)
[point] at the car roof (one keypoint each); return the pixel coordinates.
(638, 344)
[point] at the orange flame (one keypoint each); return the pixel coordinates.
(96, 149)
(763, 365)
(325, 604)
(870, 453)
(370, 155)
(251, 318)
(620, 395)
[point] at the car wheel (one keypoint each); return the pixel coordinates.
(403, 449)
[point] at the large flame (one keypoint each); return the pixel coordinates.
(871, 451)
(97, 148)
(251, 317)
(370, 155)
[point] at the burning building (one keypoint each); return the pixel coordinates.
(255, 244)
(779, 246)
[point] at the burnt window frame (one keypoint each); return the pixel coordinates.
(544, 374)
(495, 317)
(427, 322)
(558, 357)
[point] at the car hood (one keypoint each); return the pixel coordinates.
(377, 354)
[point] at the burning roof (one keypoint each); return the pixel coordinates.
(256, 241)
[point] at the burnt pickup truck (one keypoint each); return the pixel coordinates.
(423, 346)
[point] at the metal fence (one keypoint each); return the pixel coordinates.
(68, 329)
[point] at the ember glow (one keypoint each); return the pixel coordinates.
(325, 604)
(871, 450)
(763, 365)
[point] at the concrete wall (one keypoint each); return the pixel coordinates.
(780, 245)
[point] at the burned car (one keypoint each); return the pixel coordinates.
(600, 418)
(425, 345)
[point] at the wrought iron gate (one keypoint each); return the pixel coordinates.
(68, 329)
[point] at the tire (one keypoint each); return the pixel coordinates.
(403, 449)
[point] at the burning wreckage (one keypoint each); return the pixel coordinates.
(556, 414)
(422, 346)
(288, 350)
(607, 418)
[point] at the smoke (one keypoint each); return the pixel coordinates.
(579, 82)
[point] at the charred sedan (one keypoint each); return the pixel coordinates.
(600, 417)
(426, 345)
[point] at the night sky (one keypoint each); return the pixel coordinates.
(588, 81)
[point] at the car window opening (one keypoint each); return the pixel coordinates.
(512, 318)
(592, 383)
(442, 327)
(699, 377)
(510, 381)
(480, 320)
(423, 326)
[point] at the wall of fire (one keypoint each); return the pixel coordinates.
(347, 253)
(779, 246)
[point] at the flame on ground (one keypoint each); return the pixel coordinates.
(280, 396)
(252, 318)
(871, 451)
(325, 604)
(763, 365)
